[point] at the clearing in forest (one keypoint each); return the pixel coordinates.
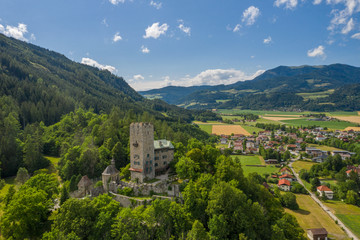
(229, 129)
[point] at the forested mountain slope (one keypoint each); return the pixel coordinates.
(45, 85)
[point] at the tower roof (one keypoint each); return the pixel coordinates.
(163, 143)
(111, 169)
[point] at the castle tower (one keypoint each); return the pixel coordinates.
(142, 163)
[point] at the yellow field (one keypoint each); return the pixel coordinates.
(352, 128)
(359, 113)
(229, 129)
(278, 115)
(279, 118)
(311, 215)
(353, 119)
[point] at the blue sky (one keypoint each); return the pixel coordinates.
(155, 43)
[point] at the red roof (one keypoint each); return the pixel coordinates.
(135, 170)
(284, 182)
(284, 169)
(324, 189)
(286, 176)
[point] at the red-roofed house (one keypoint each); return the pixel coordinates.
(284, 185)
(285, 170)
(356, 170)
(327, 191)
(288, 177)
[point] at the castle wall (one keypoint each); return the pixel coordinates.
(163, 157)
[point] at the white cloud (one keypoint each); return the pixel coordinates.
(289, 4)
(207, 77)
(138, 77)
(348, 27)
(250, 15)
(16, 32)
(237, 28)
(317, 52)
(317, 2)
(154, 31)
(144, 49)
(156, 5)
(93, 63)
(116, 2)
(356, 36)
(268, 40)
(117, 37)
(186, 30)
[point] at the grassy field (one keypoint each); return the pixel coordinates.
(337, 125)
(206, 127)
(324, 148)
(332, 182)
(311, 215)
(302, 164)
(315, 95)
(278, 113)
(348, 214)
(254, 160)
(252, 129)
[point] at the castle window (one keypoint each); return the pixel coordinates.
(156, 158)
(156, 164)
(148, 155)
(150, 169)
(165, 156)
(150, 162)
(164, 163)
(136, 156)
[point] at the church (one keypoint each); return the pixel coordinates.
(148, 157)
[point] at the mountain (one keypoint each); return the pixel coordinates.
(274, 88)
(46, 85)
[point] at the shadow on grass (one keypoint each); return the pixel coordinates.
(302, 212)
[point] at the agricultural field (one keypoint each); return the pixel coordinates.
(348, 214)
(352, 119)
(324, 148)
(352, 128)
(206, 127)
(302, 164)
(311, 215)
(252, 129)
(315, 95)
(229, 129)
(337, 125)
(254, 160)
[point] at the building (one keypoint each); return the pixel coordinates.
(110, 175)
(343, 154)
(284, 185)
(288, 177)
(317, 234)
(148, 157)
(327, 191)
(84, 185)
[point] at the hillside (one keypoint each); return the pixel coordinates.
(281, 87)
(46, 85)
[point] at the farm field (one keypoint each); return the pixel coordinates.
(324, 148)
(353, 119)
(301, 164)
(352, 128)
(311, 215)
(252, 129)
(254, 160)
(329, 124)
(229, 129)
(279, 118)
(206, 127)
(348, 214)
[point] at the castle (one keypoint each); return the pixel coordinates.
(148, 157)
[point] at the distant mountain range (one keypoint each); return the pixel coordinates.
(303, 87)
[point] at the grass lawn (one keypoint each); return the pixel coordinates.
(254, 160)
(348, 214)
(337, 125)
(252, 129)
(324, 148)
(302, 164)
(311, 215)
(206, 127)
(332, 182)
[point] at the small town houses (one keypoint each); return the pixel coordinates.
(324, 190)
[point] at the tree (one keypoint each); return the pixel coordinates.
(9, 195)
(287, 228)
(26, 215)
(73, 184)
(289, 200)
(45, 182)
(197, 232)
(352, 198)
(186, 168)
(64, 194)
(22, 176)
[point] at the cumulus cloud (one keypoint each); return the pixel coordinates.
(342, 20)
(93, 63)
(317, 2)
(116, 2)
(144, 49)
(138, 77)
(356, 36)
(317, 52)
(16, 32)
(156, 5)
(207, 77)
(289, 4)
(186, 30)
(155, 30)
(250, 15)
(237, 28)
(117, 37)
(268, 40)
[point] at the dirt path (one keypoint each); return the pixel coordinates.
(326, 209)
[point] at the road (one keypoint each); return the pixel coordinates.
(326, 209)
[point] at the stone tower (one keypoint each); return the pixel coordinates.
(142, 164)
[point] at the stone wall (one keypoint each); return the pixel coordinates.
(160, 187)
(127, 201)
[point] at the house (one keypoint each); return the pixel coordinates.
(288, 177)
(85, 185)
(317, 234)
(285, 170)
(271, 161)
(284, 185)
(343, 154)
(320, 138)
(319, 159)
(356, 170)
(223, 140)
(327, 191)
(315, 152)
(110, 175)
(291, 147)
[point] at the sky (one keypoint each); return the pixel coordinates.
(158, 43)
